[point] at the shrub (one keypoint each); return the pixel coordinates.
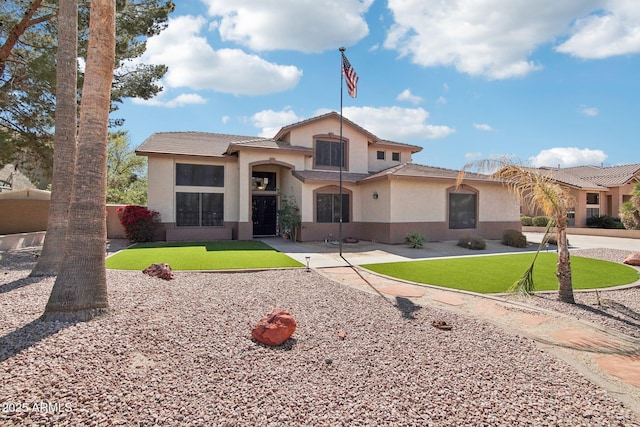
(526, 220)
(514, 238)
(140, 223)
(540, 221)
(415, 240)
(472, 242)
(604, 221)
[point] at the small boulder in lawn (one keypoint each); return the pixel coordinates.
(274, 328)
(633, 259)
(162, 271)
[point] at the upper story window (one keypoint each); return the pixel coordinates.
(395, 157)
(328, 154)
(380, 155)
(199, 175)
(593, 198)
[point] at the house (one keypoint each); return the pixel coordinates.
(210, 186)
(597, 191)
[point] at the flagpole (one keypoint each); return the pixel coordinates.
(342, 49)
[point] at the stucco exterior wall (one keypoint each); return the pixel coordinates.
(417, 200)
(160, 194)
(357, 143)
(496, 204)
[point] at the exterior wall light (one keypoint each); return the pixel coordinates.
(375, 195)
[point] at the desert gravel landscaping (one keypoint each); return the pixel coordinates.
(180, 352)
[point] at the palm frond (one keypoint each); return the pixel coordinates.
(525, 286)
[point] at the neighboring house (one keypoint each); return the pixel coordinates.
(213, 186)
(597, 191)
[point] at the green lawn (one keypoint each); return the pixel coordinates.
(495, 274)
(222, 255)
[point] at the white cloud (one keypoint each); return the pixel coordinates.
(193, 63)
(225, 119)
(406, 95)
(473, 156)
(271, 121)
(178, 101)
(589, 111)
(441, 100)
(302, 25)
(568, 157)
(483, 127)
(492, 38)
(396, 123)
(615, 30)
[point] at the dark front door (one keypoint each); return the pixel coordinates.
(264, 215)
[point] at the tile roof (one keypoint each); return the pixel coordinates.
(374, 139)
(192, 143)
(607, 176)
(422, 171)
(329, 176)
(563, 177)
(595, 177)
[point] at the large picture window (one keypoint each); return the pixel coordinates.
(199, 175)
(328, 207)
(462, 210)
(327, 153)
(199, 209)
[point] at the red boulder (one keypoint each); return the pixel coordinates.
(633, 259)
(274, 328)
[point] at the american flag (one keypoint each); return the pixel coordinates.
(350, 76)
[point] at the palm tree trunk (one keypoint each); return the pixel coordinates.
(64, 150)
(565, 286)
(80, 290)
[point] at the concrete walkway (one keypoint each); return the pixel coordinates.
(607, 358)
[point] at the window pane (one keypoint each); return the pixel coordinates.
(462, 211)
(323, 153)
(199, 175)
(187, 209)
(395, 157)
(324, 207)
(328, 208)
(345, 207)
(335, 154)
(380, 155)
(593, 198)
(212, 209)
(328, 153)
(263, 181)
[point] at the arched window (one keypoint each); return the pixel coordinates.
(329, 205)
(463, 207)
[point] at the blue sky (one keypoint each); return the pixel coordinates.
(551, 83)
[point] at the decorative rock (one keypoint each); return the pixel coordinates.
(162, 271)
(633, 259)
(274, 328)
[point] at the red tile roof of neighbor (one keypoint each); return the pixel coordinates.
(594, 177)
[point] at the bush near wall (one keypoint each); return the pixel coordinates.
(472, 242)
(540, 221)
(527, 221)
(514, 238)
(139, 222)
(604, 221)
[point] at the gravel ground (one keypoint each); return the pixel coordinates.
(617, 310)
(180, 353)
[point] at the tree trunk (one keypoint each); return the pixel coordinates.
(64, 150)
(80, 290)
(565, 286)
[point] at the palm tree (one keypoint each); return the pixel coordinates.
(80, 290)
(64, 139)
(537, 190)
